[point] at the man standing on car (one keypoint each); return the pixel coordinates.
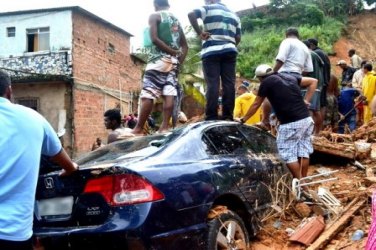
(220, 36)
(166, 53)
(21, 146)
(296, 125)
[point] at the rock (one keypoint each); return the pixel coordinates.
(318, 210)
(303, 209)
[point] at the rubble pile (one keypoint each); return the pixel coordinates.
(355, 145)
(340, 216)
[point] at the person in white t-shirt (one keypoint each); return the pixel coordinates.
(293, 56)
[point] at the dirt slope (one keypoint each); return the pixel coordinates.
(360, 34)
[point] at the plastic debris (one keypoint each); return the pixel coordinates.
(357, 235)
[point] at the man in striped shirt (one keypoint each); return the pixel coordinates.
(220, 35)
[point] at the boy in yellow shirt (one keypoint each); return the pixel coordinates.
(243, 102)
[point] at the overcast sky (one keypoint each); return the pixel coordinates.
(130, 15)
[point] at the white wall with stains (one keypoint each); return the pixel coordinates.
(60, 24)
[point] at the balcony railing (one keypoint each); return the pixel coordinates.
(39, 65)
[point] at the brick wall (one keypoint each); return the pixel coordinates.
(105, 76)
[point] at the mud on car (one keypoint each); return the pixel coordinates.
(203, 186)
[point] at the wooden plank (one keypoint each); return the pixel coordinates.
(337, 225)
(346, 150)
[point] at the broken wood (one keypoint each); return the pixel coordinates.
(335, 227)
(323, 145)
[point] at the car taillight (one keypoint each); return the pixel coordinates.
(125, 189)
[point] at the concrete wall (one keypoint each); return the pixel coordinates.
(60, 24)
(105, 76)
(54, 98)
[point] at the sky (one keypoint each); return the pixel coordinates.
(130, 15)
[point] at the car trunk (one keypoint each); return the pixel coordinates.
(61, 201)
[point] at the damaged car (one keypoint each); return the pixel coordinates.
(202, 186)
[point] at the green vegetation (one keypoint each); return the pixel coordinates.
(261, 45)
(264, 29)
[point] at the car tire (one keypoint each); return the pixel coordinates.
(227, 231)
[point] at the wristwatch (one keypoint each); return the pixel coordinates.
(242, 120)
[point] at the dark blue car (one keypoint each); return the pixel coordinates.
(203, 186)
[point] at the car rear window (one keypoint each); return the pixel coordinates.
(125, 147)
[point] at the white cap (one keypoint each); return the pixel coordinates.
(263, 70)
(341, 62)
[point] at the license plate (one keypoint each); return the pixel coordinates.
(55, 206)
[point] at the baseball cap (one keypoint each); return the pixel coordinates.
(341, 62)
(245, 84)
(263, 70)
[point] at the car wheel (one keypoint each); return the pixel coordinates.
(227, 231)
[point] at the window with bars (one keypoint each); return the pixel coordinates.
(29, 102)
(38, 39)
(11, 31)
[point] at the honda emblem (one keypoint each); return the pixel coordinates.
(49, 182)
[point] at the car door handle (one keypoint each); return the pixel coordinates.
(239, 166)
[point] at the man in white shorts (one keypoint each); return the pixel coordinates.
(167, 51)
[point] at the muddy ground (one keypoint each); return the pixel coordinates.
(350, 184)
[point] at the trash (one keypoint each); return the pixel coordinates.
(277, 224)
(359, 165)
(324, 171)
(357, 235)
(325, 197)
(297, 184)
(308, 230)
(289, 231)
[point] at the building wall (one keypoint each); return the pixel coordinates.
(60, 24)
(54, 98)
(105, 76)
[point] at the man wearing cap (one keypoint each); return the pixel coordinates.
(296, 125)
(243, 102)
(347, 72)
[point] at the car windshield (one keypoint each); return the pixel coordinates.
(129, 148)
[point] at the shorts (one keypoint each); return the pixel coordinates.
(315, 100)
(157, 84)
(294, 140)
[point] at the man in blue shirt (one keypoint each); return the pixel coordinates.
(220, 36)
(346, 107)
(24, 136)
